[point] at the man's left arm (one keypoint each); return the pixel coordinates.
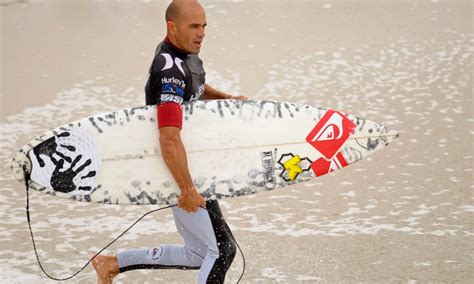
(212, 94)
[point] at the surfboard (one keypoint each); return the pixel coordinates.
(233, 148)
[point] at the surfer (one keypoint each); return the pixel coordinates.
(177, 75)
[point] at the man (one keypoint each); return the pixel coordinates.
(177, 75)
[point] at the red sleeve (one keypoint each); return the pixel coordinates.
(169, 114)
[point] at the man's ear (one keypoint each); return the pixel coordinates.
(171, 27)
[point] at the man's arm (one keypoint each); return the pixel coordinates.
(174, 154)
(212, 94)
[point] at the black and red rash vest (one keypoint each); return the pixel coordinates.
(175, 77)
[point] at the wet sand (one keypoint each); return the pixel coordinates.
(404, 214)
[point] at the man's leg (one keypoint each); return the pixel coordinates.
(225, 243)
(208, 245)
(208, 232)
(165, 256)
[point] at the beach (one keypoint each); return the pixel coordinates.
(403, 215)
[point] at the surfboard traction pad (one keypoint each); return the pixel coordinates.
(62, 178)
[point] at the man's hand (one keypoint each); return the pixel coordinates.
(212, 94)
(241, 98)
(190, 200)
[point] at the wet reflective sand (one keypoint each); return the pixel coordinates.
(401, 215)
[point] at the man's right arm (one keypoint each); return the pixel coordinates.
(167, 87)
(174, 154)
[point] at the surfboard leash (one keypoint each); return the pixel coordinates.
(27, 179)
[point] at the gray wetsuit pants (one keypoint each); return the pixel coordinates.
(208, 246)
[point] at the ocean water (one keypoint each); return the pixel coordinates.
(404, 214)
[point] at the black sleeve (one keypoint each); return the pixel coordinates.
(166, 82)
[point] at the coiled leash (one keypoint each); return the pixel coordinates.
(27, 179)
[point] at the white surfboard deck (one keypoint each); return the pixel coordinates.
(233, 148)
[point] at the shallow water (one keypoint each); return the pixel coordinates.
(401, 215)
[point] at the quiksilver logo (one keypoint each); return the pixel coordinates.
(331, 130)
(154, 253)
(330, 133)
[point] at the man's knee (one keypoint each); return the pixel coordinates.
(227, 250)
(196, 257)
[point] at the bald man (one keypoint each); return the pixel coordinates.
(177, 75)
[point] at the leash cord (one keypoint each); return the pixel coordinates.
(27, 179)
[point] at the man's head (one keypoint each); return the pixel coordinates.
(186, 22)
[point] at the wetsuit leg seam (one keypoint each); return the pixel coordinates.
(156, 266)
(226, 246)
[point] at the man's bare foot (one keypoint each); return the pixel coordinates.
(106, 268)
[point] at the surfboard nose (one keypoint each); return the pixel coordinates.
(371, 136)
(392, 135)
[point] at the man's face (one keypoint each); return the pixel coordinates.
(189, 29)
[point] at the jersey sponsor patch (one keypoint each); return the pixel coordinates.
(169, 63)
(172, 90)
(169, 88)
(174, 81)
(330, 133)
(198, 94)
(170, 98)
(321, 166)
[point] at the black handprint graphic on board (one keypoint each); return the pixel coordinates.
(50, 147)
(63, 180)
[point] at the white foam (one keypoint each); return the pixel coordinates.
(307, 278)
(273, 274)
(467, 208)
(369, 83)
(425, 263)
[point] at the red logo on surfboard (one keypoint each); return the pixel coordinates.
(330, 133)
(321, 166)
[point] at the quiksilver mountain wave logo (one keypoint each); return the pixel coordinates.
(330, 133)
